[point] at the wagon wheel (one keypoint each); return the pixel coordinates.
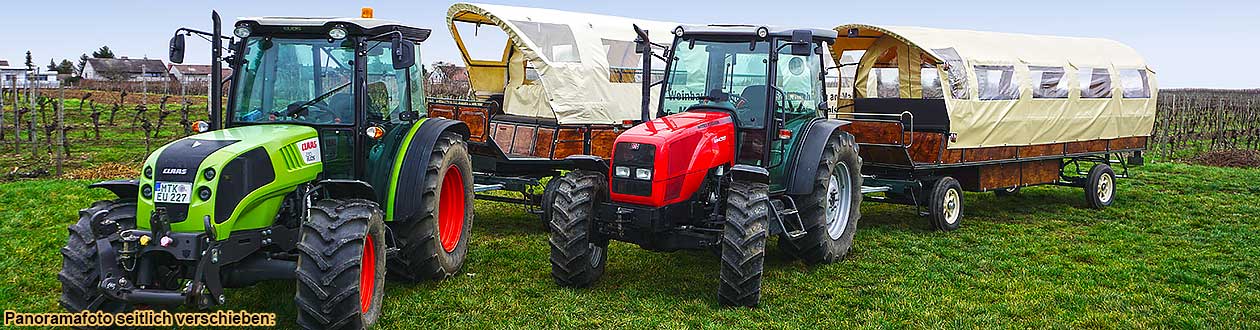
(1100, 186)
(945, 204)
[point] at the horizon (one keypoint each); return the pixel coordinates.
(141, 30)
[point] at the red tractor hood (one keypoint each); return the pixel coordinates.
(669, 128)
(684, 148)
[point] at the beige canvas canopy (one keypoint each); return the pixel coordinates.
(585, 64)
(1003, 89)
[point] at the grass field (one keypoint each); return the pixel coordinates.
(1178, 250)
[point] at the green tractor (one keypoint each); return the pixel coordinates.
(323, 168)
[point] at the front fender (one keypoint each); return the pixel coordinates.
(124, 189)
(805, 164)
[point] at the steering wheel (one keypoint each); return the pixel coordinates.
(738, 100)
(317, 113)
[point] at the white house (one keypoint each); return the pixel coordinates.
(11, 74)
(125, 69)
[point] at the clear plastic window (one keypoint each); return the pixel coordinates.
(930, 79)
(956, 70)
(554, 40)
(1095, 83)
(626, 66)
(997, 82)
(1134, 84)
(1048, 82)
(886, 82)
(483, 42)
(848, 71)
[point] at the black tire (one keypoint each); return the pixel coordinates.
(820, 245)
(744, 244)
(80, 273)
(421, 254)
(1100, 186)
(578, 256)
(943, 215)
(1007, 192)
(339, 242)
(548, 199)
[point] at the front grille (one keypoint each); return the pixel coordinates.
(634, 156)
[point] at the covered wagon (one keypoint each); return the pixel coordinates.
(937, 112)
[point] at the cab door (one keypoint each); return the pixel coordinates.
(798, 96)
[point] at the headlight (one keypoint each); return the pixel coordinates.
(621, 172)
(337, 33)
(242, 32)
(763, 32)
(642, 174)
(146, 191)
(204, 193)
(148, 172)
(208, 174)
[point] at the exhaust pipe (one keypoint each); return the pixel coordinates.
(216, 74)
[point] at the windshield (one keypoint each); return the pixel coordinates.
(732, 73)
(295, 80)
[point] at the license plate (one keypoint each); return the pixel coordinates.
(172, 192)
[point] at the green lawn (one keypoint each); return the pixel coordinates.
(1179, 249)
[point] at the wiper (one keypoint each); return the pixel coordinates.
(321, 97)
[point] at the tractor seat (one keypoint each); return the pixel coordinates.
(752, 113)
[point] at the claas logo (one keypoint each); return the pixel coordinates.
(308, 145)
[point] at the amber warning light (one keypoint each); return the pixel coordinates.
(366, 12)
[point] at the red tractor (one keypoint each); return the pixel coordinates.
(741, 149)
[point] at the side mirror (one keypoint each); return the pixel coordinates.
(404, 53)
(802, 42)
(177, 49)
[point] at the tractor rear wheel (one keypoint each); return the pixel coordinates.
(744, 244)
(80, 271)
(577, 256)
(831, 212)
(435, 244)
(341, 265)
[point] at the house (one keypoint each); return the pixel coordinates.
(188, 73)
(125, 69)
(10, 74)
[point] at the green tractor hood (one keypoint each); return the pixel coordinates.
(237, 177)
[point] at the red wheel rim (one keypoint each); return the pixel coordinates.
(451, 209)
(367, 274)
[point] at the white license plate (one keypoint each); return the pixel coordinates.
(172, 192)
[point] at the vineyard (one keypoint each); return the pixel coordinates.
(81, 133)
(1193, 122)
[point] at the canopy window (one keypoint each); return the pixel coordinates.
(998, 89)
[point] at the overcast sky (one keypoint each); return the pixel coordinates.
(1203, 43)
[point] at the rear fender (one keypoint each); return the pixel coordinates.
(804, 166)
(409, 171)
(124, 189)
(589, 163)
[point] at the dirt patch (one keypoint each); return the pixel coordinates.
(1229, 158)
(105, 171)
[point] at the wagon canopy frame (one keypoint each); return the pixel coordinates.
(1002, 89)
(574, 68)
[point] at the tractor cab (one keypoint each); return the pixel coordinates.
(768, 81)
(355, 80)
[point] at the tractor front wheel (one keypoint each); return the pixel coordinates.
(577, 258)
(341, 265)
(744, 244)
(80, 268)
(831, 212)
(435, 244)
